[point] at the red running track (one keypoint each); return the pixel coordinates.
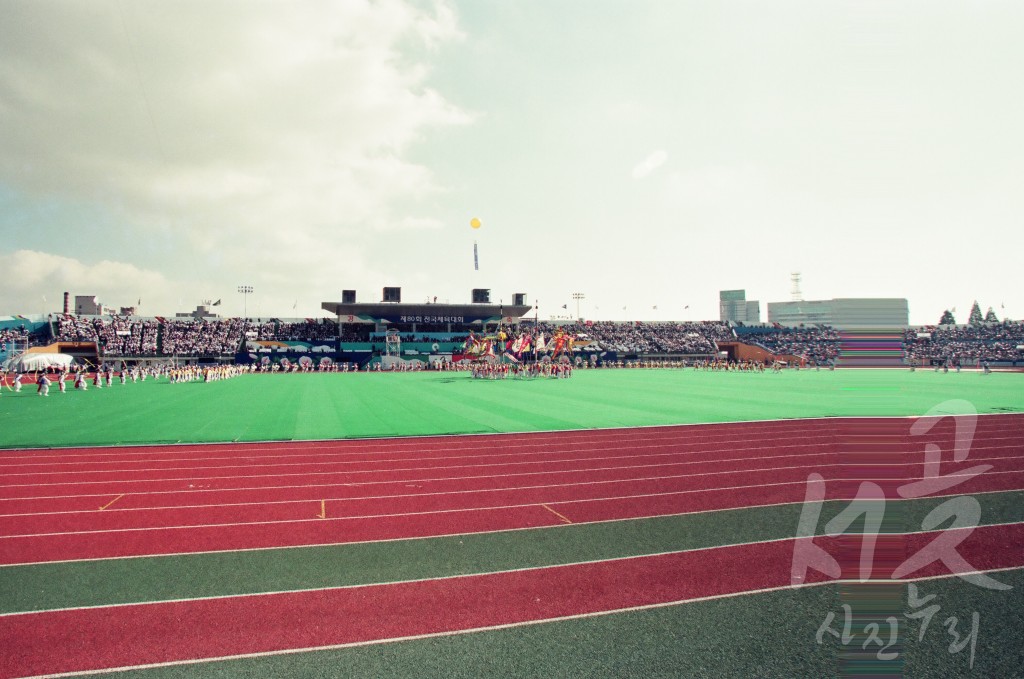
(122, 636)
(163, 500)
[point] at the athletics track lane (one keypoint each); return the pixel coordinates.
(120, 636)
(465, 508)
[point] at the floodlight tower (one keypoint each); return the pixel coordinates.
(578, 296)
(245, 290)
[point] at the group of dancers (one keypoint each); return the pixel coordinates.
(500, 344)
(81, 378)
(484, 370)
(43, 381)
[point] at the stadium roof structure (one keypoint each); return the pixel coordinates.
(396, 312)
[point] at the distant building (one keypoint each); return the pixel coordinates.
(734, 306)
(88, 305)
(880, 312)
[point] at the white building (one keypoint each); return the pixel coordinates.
(734, 306)
(858, 312)
(88, 305)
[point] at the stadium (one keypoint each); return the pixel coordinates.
(340, 496)
(393, 339)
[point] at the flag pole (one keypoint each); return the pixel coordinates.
(536, 327)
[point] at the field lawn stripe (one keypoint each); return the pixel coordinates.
(142, 634)
(334, 530)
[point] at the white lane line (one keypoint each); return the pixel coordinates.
(518, 529)
(504, 571)
(435, 511)
(130, 455)
(304, 500)
(306, 474)
(505, 626)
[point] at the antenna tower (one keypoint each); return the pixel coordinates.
(795, 292)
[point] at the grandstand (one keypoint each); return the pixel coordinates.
(429, 332)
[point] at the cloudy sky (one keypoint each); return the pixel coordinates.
(645, 153)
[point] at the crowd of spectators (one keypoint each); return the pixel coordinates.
(76, 329)
(648, 338)
(261, 330)
(965, 344)
(125, 337)
(117, 336)
(13, 334)
(202, 338)
(356, 332)
(815, 344)
(132, 336)
(324, 330)
(10, 335)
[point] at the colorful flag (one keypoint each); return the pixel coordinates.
(541, 344)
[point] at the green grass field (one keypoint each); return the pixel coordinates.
(331, 406)
(758, 635)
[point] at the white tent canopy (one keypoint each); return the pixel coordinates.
(30, 362)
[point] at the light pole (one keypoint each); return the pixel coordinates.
(578, 296)
(246, 290)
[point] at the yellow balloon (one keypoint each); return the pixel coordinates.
(475, 223)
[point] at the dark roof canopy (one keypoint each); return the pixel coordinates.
(392, 312)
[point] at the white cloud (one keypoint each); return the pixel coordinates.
(115, 283)
(211, 125)
(649, 164)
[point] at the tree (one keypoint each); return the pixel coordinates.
(947, 318)
(975, 317)
(990, 317)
